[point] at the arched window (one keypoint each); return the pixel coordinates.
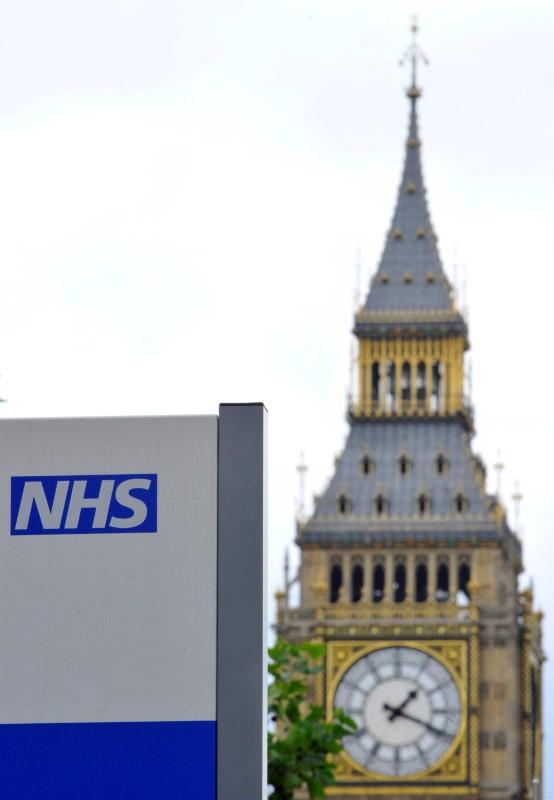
(390, 395)
(366, 465)
(463, 578)
(441, 464)
(357, 583)
(380, 505)
(375, 383)
(343, 503)
(335, 584)
(406, 382)
(378, 583)
(436, 388)
(421, 583)
(404, 464)
(423, 504)
(399, 584)
(443, 582)
(461, 504)
(420, 383)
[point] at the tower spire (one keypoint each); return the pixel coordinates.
(410, 279)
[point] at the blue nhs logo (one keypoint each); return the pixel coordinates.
(66, 504)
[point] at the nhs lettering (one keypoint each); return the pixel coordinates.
(66, 504)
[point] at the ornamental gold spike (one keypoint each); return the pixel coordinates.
(413, 54)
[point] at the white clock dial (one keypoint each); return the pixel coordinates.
(407, 708)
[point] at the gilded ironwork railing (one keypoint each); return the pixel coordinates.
(408, 315)
(454, 404)
(340, 614)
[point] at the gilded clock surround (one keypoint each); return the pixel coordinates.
(380, 567)
(453, 655)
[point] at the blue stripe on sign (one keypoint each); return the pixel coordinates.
(108, 760)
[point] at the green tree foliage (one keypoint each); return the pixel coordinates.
(300, 745)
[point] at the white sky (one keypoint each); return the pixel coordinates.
(183, 187)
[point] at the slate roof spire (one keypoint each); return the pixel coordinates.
(410, 282)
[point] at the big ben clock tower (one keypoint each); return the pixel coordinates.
(409, 569)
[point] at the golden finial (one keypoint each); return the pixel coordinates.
(301, 468)
(527, 595)
(414, 54)
(473, 589)
(499, 467)
(517, 497)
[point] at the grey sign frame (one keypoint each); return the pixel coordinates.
(242, 603)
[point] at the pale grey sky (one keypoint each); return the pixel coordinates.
(184, 187)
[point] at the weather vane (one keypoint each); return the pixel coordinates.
(413, 54)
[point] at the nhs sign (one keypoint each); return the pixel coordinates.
(66, 504)
(133, 666)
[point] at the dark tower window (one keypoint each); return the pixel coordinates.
(436, 388)
(378, 583)
(375, 382)
(463, 578)
(441, 464)
(366, 464)
(406, 382)
(380, 505)
(357, 582)
(399, 584)
(421, 583)
(461, 503)
(391, 386)
(443, 583)
(404, 465)
(500, 740)
(420, 383)
(423, 505)
(343, 503)
(335, 583)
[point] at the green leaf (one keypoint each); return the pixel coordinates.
(302, 741)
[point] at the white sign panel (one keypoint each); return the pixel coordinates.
(108, 582)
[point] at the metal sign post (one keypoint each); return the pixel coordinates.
(132, 590)
(241, 612)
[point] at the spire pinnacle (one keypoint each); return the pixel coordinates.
(413, 54)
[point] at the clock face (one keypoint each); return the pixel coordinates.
(407, 708)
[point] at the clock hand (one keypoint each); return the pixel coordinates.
(425, 724)
(394, 712)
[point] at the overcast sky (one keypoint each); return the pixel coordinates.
(184, 186)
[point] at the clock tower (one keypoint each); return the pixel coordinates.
(409, 569)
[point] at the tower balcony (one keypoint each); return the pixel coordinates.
(368, 620)
(381, 323)
(430, 408)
